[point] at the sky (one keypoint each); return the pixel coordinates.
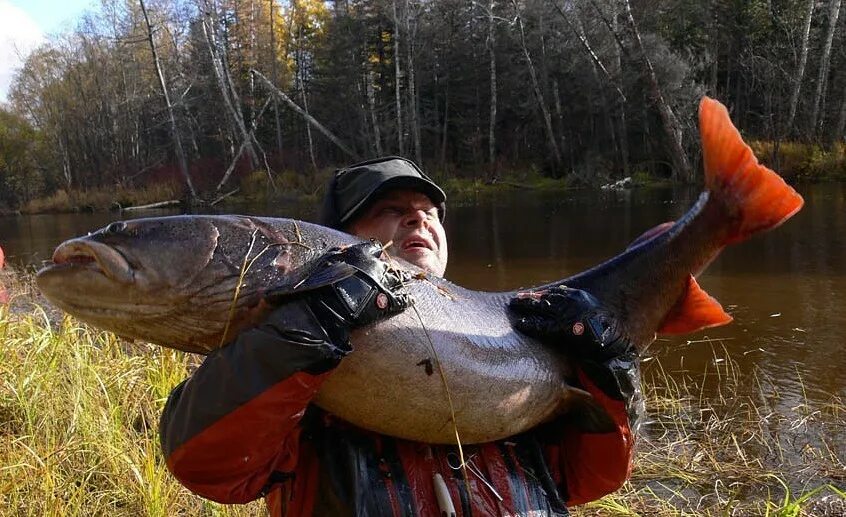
(24, 24)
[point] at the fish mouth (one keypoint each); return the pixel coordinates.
(95, 257)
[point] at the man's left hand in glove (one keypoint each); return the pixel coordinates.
(573, 320)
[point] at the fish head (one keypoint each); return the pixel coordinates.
(175, 281)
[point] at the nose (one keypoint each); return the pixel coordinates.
(416, 218)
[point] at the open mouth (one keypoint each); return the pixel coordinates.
(94, 256)
(416, 244)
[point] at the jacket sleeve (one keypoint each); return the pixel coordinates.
(228, 428)
(591, 465)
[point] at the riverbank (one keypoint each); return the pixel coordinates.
(796, 162)
(79, 410)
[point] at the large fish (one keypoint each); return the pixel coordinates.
(192, 282)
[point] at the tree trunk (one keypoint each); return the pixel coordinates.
(445, 127)
(371, 106)
(839, 133)
(174, 130)
(311, 120)
(398, 80)
(492, 60)
(251, 56)
(822, 78)
(274, 75)
(300, 83)
(224, 82)
(413, 102)
(236, 101)
(622, 124)
(618, 137)
(244, 143)
(547, 117)
(672, 129)
(800, 70)
(66, 167)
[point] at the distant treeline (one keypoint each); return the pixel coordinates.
(202, 91)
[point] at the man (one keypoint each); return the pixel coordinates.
(243, 427)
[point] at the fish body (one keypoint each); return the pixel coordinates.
(193, 282)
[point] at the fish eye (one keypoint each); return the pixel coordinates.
(116, 227)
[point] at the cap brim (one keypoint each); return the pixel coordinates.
(422, 185)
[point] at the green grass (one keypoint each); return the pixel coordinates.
(79, 410)
(78, 421)
(803, 161)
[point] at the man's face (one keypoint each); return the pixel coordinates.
(410, 220)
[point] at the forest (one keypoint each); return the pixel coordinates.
(200, 94)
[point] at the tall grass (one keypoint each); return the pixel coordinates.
(719, 442)
(79, 410)
(78, 416)
(101, 199)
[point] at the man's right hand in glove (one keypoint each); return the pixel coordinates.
(343, 289)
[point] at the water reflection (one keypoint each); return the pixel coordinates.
(786, 289)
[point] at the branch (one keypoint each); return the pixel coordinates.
(589, 50)
(311, 120)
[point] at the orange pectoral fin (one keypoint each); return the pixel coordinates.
(695, 310)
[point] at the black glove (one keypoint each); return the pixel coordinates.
(573, 319)
(346, 288)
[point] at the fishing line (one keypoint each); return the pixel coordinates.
(463, 465)
(449, 400)
(442, 374)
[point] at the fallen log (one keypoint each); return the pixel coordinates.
(160, 204)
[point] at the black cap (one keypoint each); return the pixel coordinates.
(354, 188)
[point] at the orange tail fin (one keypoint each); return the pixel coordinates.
(761, 198)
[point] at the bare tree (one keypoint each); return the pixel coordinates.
(547, 117)
(800, 70)
(413, 104)
(398, 80)
(311, 120)
(300, 59)
(620, 140)
(225, 84)
(825, 61)
(841, 122)
(274, 66)
(672, 128)
(491, 44)
(174, 129)
(371, 105)
(244, 143)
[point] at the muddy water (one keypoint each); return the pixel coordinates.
(786, 289)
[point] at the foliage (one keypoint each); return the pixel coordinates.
(803, 161)
(19, 177)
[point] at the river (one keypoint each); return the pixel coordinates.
(786, 289)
